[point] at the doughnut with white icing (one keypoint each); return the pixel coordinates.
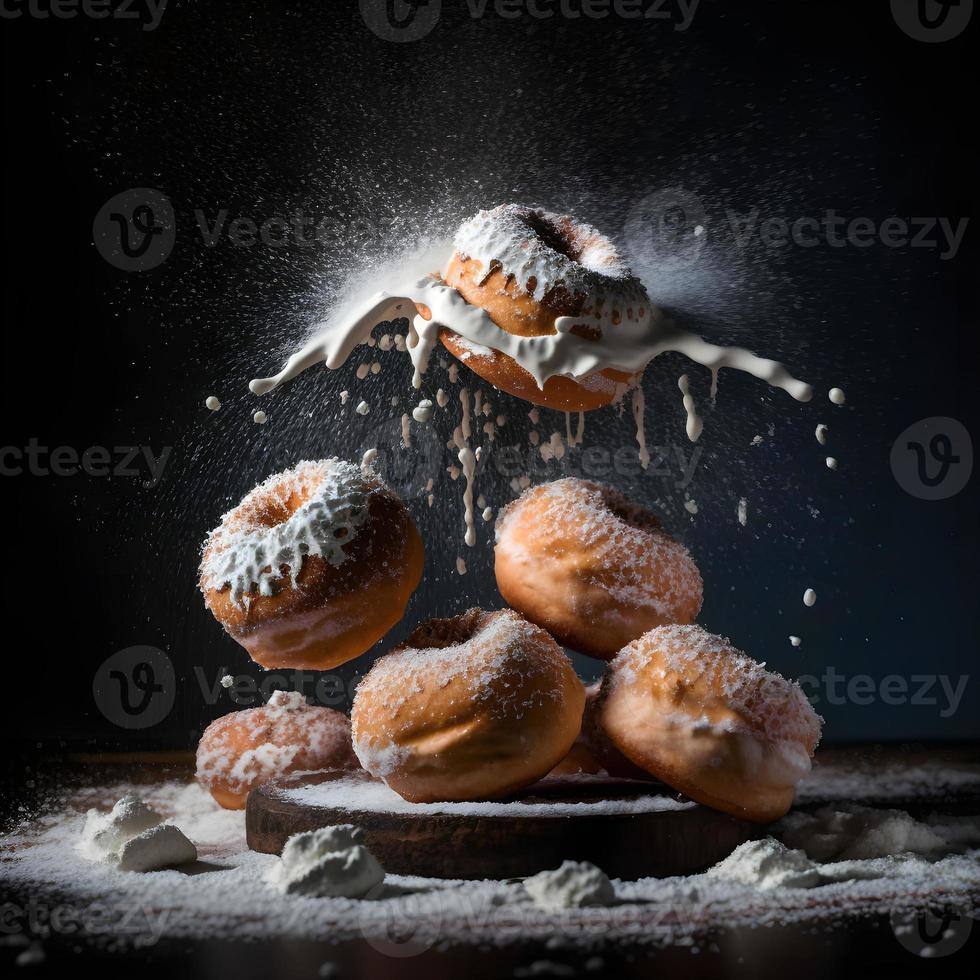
(536, 274)
(313, 567)
(247, 748)
(709, 721)
(471, 708)
(592, 568)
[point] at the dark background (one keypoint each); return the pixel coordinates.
(263, 108)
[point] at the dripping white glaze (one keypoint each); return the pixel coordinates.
(639, 408)
(694, 423)
(837, 396)
(629, 348)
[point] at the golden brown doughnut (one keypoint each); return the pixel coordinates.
(704, 718)
(247, 748)
(533, 267)
(346, 555)
(593, 569)
(471, 708)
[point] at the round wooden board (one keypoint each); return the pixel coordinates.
(625, 844)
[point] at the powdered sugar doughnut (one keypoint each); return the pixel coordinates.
(536, 273)
(246, 748)
(593, 569)
(313, 567)
(471, 708)
(689, 708)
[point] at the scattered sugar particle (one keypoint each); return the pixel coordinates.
(795, 641)
(534, 415)
(453, 470)
(481, 501)
(363, 408)
(227, 681)
(370, 341)
(691, 506)
(213, 403)
(376, 367)
(809, 597)
(442, 399)
(430, 483)
(488, 514)
(460, 566)
(534, 437)
(362, 371)
(399, 339)
(431, 499)
(260, 418)
(821, 434)
(501, 421)
(831, 463)
(757, 440)
(524, 482)
(743, 512)
(32, 956)
(344, 395)
(385, 342)
(453, 373)
(394, 401)
(479, 453)
(423, 411)
(367, 460)
(837, 396)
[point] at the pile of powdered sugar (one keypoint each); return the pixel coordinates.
(226, 895)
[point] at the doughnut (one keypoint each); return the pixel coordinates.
(594, 570)
(250, 747)
(313, 567)
(709, 721)
(598, 743)
(471, 708)
(530, 269)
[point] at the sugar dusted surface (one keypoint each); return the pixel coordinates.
(248, 555)
(362, 795)
(224, 895)
(765, 703)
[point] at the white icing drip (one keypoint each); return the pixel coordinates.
(743, 512)
(821, 434)
(639, 406)
(406, 431)
(837, 396)
(249, 556)
(809, 597)
(468, 462)
(628, 348)
(694, 423)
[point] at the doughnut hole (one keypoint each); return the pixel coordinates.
(472, 708)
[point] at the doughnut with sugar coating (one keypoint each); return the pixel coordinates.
(593, 569)
(313, 567)
(471, 708)
(711, 722)
(243, 749)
